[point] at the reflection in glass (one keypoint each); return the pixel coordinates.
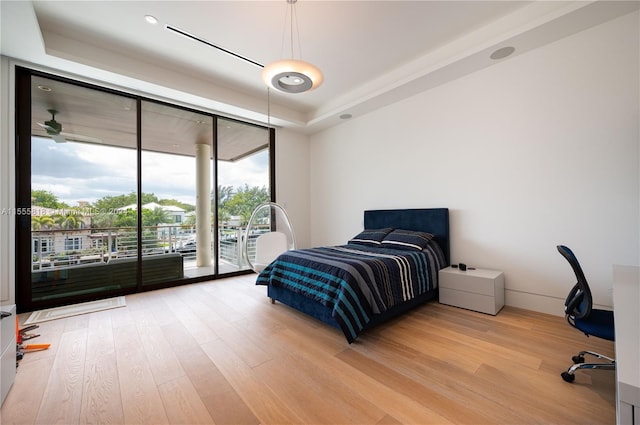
(83, 172)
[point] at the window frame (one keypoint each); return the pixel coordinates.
(24, 242)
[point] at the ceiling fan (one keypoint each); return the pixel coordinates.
(54, 129)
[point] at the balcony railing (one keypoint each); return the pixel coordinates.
(54, 249)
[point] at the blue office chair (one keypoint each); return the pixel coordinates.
(580, 314)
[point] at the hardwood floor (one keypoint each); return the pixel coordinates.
(220, 352)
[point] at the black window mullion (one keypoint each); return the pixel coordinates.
(139, 190)
(23, 187)
(214, 189)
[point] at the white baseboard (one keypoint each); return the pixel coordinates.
(539, 303)
(535, 302)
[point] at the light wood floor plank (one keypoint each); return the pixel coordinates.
(219, 352)
(122, 317)
(223, 327)
(194, 314)
(351, 379)
(452, 409)
(141, 401)
(162, 361)
(22, 404)
(100, 336)
(258, 396)
(182, 403)
(102, 399)
(62, 399)
(222, 402)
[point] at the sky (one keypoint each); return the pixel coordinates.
(87, 172)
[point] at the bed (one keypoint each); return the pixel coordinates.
(389, 268)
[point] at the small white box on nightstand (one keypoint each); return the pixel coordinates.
(478, 289)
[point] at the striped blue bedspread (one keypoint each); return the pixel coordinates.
(355, 281)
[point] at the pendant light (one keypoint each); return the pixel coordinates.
(292, 75)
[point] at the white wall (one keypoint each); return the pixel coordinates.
(537, 150)
(7, 192)
(292, 181)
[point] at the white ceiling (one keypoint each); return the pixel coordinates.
(372, 53)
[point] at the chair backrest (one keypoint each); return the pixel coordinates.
(279, 238)
(579, 301)
(268, 246)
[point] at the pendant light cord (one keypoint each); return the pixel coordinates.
(294, 17)
(269, 110)
(291, 27)
(291, 16)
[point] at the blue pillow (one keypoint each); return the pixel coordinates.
(370, 237)
(407, 239)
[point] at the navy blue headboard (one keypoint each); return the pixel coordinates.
(432, 220)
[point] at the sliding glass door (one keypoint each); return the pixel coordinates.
(120, 194)
(177, 176)
(82, 241)
(243, 184)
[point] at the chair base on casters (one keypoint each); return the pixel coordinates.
(579, 363)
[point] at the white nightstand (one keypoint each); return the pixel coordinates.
(479, 290)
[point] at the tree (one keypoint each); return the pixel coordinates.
(176, 203)
(190, 221)
(225, 193)
(111, 203)
(154, 217)
(71, 220)
(128, 218)
(244, 201)
(104, 219)
(149, 197)
(41, 221)
(44, 198)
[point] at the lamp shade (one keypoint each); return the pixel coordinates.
(292, 76)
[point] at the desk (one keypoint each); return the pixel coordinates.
(626, 311)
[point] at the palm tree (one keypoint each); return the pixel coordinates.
(155, 216)
(72, 220)
(190, 221)
(40, 221)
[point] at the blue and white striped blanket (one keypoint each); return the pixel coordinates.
(355, 281)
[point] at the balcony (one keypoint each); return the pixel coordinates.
(81, 261)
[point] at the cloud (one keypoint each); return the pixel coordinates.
(88, 172)
(253, 170)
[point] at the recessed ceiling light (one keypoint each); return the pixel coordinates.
(151, 19)
(45, 88)
(346, 116)
(502, 52)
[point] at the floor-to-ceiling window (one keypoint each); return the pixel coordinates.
(77, 167)
(119, 193)
(243, 184)
(177, 175)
